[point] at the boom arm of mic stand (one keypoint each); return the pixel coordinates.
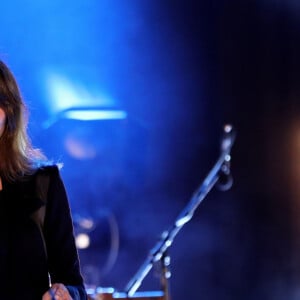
(167, 237)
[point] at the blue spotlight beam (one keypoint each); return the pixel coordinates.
(220, 173)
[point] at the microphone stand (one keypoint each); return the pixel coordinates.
(159, 251)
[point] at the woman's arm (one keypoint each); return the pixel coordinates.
(63, 261)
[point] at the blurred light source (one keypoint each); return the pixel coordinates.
(82, 241)
(86, 223)
(91, 113)
(79, 100)
(64, 93)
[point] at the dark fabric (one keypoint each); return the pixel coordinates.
(23, 262)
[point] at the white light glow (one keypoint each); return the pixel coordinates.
(82, 241)
(90, 115)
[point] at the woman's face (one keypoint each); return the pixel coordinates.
(2, 121)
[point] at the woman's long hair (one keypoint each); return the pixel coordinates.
(17, 156)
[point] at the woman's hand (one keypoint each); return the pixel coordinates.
(58, 292)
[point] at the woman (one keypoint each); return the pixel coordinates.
(38, 257)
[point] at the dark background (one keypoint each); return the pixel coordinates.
(181, 70)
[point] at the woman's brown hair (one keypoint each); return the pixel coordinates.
(17, 156)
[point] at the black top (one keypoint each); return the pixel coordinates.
(24, 263)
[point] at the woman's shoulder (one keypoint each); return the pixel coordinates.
(48, 169)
